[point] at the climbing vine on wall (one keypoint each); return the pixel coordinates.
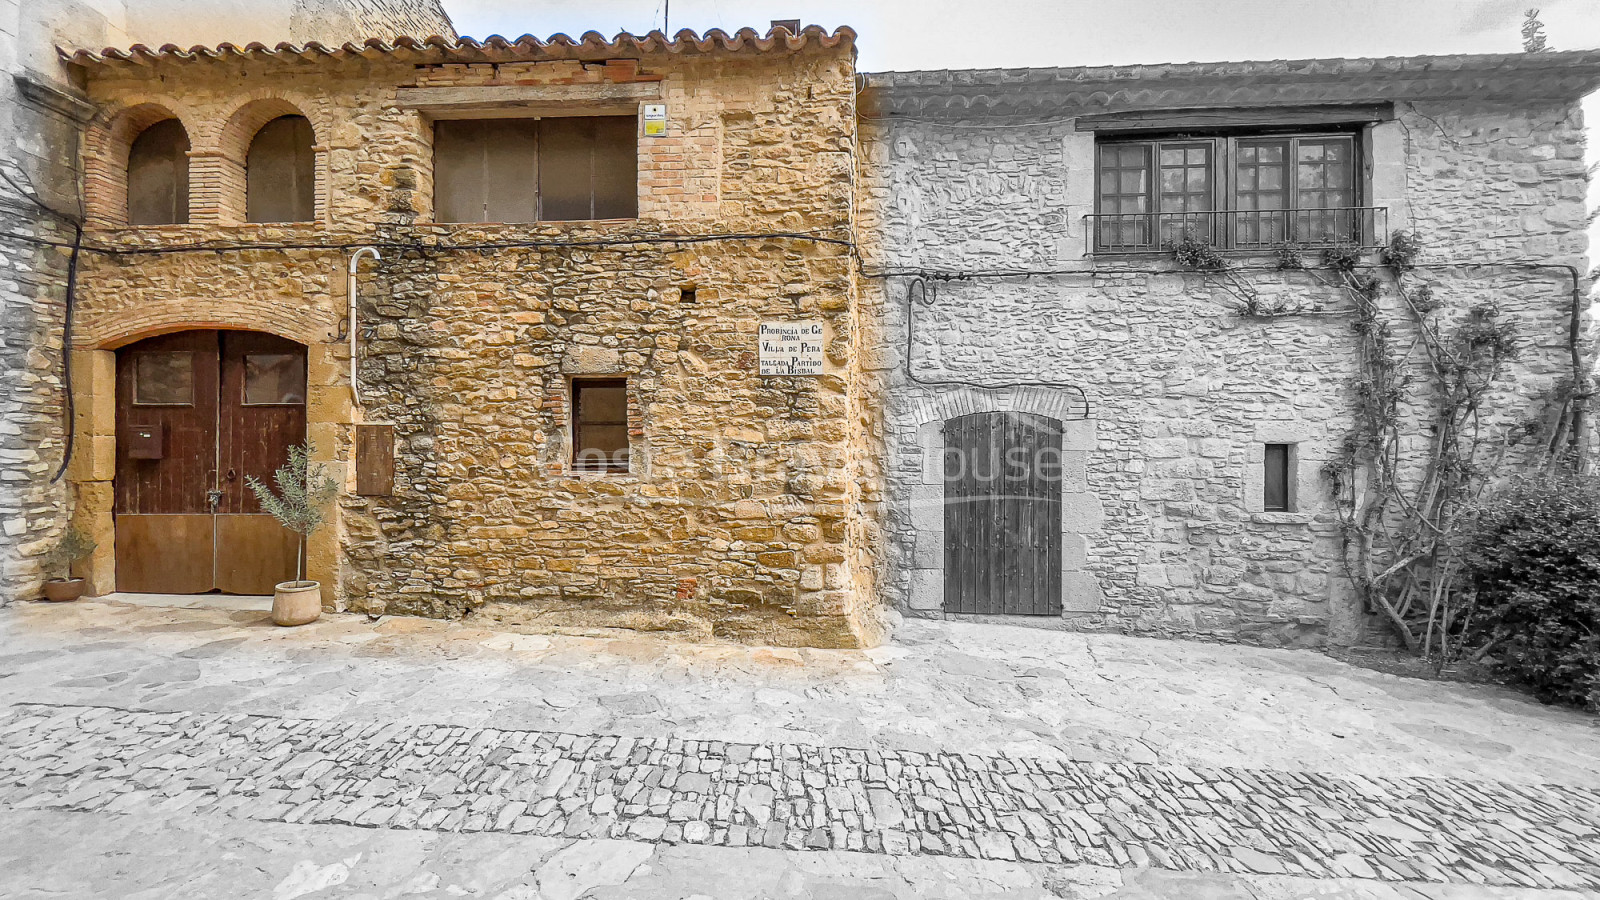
(1405, 496)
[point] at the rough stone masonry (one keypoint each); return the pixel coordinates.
(744, 512)
(1163, 518)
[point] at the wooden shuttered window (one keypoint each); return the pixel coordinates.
(536, 170)
(600, 425)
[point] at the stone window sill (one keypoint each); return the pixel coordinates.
(1281, 518)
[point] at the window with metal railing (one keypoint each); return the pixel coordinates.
(1243, 192)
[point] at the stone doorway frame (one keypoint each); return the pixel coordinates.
(92, 470)
(1081, 512)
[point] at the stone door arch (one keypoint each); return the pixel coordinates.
(1082, 515)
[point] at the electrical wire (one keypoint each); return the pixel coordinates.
(921, 277)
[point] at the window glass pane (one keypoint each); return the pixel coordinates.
(1259, 193)
(1125, 193)
(1324, 190)
(163, 379)
(280, 172)
(603, 403)
(1275, 494)
(274, 378)
(600, 425)
(1186, 181)
(158, 175)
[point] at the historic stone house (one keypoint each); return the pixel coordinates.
(715, 335)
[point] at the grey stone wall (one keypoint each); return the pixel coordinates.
(1164, 527)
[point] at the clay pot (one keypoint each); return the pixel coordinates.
(296, 602)
(60, 590)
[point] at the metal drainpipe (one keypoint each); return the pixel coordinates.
(350, 290)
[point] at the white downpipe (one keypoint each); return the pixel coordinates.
(350, 290)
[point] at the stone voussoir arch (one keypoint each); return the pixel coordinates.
(108, 139)
(113, 331)
(924, 496)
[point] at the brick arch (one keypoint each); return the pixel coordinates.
(109, 331)
(107, 142)
(225, 151)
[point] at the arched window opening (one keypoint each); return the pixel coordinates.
(158, 175)
(280, 172)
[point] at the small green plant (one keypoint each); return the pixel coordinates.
(1342, 257)
(73, 546)
(1291, 256)
(301, 501)
(1193, 251)
(1402, 252)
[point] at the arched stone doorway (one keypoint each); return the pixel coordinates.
(1002, 513)
(198, 413)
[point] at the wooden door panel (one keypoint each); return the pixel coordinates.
(164, 554)
(1003, 514)
(256, 436)
(213, 420)
(257, 554)
(185, 432)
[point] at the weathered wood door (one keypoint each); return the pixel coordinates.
(1002, 514)
(198, 412)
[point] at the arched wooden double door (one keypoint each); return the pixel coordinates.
(197, 413)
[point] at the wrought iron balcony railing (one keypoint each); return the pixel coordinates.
(1240, 229)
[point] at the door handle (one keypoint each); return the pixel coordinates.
(232, 475)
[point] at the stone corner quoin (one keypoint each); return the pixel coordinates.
(752, 332)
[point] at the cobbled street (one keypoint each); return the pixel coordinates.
(205, 753)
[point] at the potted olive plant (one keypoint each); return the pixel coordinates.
(300, 504)
(73, 546)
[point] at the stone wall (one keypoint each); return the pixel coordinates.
(1163, 517)
(41, 118)
(746, 513)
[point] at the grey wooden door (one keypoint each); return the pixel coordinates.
(1002, 514)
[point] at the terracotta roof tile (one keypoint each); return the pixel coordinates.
(1001, 92)
(591, 45)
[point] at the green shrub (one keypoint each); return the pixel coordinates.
(1533, 561)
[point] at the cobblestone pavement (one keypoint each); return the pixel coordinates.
(148, 753)
(452, 778)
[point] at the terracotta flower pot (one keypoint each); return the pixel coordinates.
(296, 602)
(60, 590)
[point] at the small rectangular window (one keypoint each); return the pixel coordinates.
(163, 379)
(1277, 493)
(600, 425)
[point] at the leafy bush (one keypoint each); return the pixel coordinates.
(1533, 561)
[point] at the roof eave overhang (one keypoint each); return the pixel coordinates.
(1068, 92)
(591, 46)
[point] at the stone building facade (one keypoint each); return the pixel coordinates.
(43, 112)
(743, 510)
(1166, 390)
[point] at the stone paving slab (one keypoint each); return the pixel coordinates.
(668, 790)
